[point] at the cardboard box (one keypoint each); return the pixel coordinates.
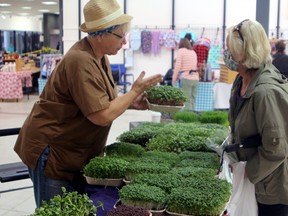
(226, 75)
(19, 64)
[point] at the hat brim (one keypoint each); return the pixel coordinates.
(120, 20)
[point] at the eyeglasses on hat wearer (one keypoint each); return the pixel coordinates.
(238, 27)
(117, 35)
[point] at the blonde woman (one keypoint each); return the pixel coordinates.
(258, 106)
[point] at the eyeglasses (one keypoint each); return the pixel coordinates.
(117, 35)
(238, 27)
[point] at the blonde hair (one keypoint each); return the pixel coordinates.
(254, 50)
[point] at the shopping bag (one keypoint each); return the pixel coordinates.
(243, 200)
(224, 171)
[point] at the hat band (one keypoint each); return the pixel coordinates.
(106, 19)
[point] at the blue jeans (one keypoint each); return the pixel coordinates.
(46, 188)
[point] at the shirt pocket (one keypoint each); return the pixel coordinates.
(270, 184)
(273, 139)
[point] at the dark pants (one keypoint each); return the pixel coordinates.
(272, 210)
(46, 188)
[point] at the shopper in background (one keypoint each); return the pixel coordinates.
(167, 79)
(188, 36)
(185, 73)
(258, 105)
(70, 123)
(58, 45)
(280, 59)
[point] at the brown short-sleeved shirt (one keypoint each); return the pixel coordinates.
(76, 88)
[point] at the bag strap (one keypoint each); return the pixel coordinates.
(249, 142)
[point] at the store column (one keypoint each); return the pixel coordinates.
(262, 13)
(72, 18)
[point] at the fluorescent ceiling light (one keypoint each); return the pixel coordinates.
(44, 10)
(4, 5)
(5, 12)
(49, 3)
(26, 8)
(24, 14)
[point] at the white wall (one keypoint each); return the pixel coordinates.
(198, 16)
(70, 24)
(147, 13)
(284, 18)
(21, 23)
(189, 14)
(238, 11)
(202, 13)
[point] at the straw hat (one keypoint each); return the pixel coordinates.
(102, 14)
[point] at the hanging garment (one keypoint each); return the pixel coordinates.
(49, 62)
(135, 39)
(156, 42)
(203, 41)
(146, 41)
(214, 55)
(202, 53)
(161, 38)
(194, 36)
(171, 39)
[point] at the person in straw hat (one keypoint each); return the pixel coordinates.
(70, 123)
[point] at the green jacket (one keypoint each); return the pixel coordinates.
(263, 110)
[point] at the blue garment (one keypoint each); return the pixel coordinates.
(193, 35)
(46, 188)
(214, 55)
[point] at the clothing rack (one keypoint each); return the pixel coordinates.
(203, 30)
(52, 55)
(47, 65)
(152, 27)
(217, 34)
(210, 32)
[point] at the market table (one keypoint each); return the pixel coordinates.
(204, 99)
(12, 83)
(222, 95)
(212, 95)
(105, 194)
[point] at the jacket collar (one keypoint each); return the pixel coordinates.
(266, 74)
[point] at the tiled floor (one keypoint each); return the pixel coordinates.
(13, 114)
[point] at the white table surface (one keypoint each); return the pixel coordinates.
(222, 93)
